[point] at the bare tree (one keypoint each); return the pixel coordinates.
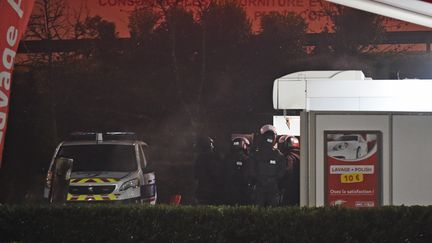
(168, 10)
(48, 22)
(204, 7)
(142, 23)
(215, 30)
(77, 20)
(354, 31)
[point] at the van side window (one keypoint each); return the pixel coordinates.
(142, 158)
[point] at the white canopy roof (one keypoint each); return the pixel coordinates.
(412, 11)
(350, 91)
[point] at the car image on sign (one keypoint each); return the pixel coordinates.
(347, 147)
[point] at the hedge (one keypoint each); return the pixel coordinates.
(138, 223)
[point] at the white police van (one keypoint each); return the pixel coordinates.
(106, 167)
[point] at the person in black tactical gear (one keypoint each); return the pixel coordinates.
(237, 191)
(207, 172)
(267, 167)
(290, 182)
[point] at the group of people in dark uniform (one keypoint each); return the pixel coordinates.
(264, 173)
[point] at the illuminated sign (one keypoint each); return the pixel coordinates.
(352, 168)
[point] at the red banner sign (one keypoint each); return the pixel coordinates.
(352, 169)
(14, 15)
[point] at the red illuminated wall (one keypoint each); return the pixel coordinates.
(117, 11)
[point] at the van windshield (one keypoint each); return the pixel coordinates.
(100, 157)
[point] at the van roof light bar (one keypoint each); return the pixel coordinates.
(99, 137)
(102, 136)
(82, 136)
(120, 135)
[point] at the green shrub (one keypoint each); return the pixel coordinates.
(126, 223)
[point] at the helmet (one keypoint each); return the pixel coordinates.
(267, 128)
(289, 141)
(204, 143)
(240, 143)
(269, 133)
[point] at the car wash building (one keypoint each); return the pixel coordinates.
(364, 142)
